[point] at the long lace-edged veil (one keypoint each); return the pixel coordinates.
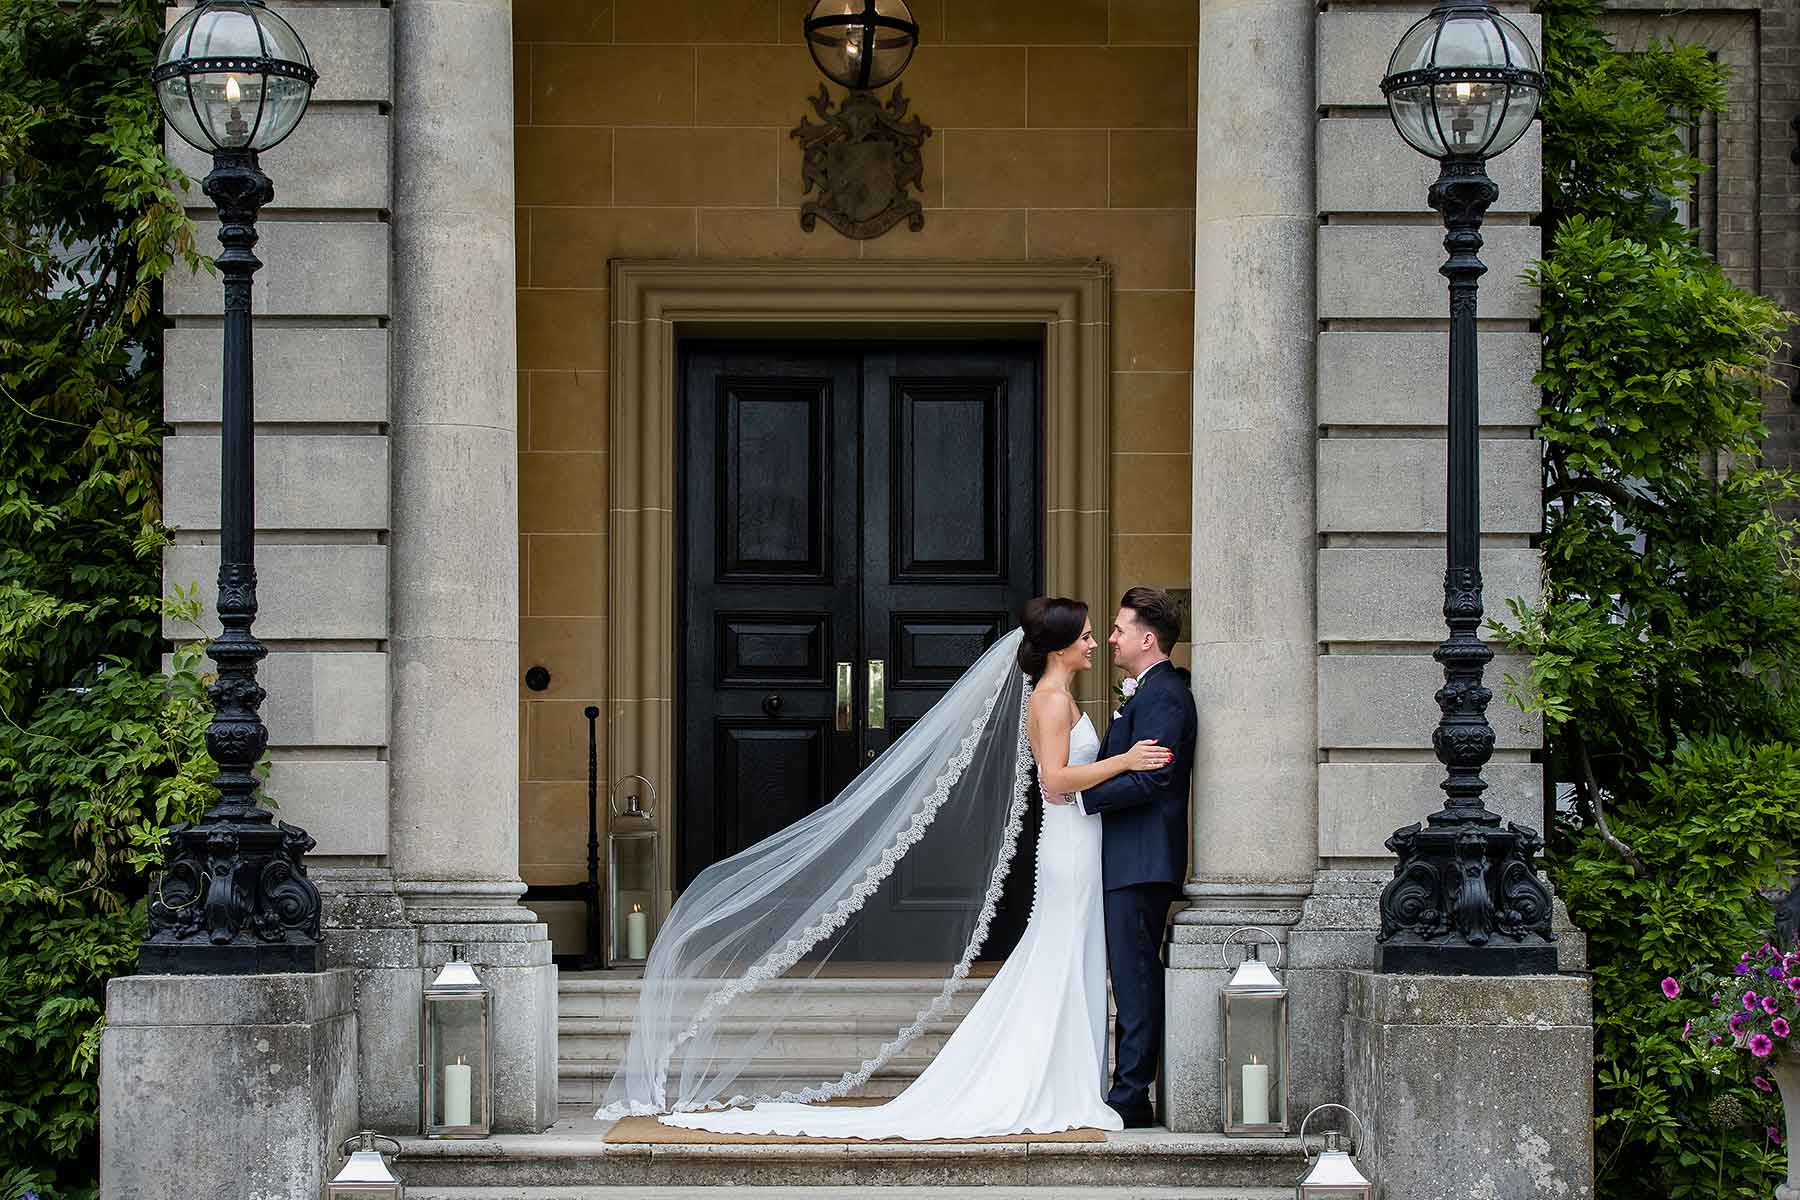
(931, 825)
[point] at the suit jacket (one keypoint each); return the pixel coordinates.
(1146, 812)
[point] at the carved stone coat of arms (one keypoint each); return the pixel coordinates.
(862, 160)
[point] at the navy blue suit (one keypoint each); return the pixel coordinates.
(1143, 865)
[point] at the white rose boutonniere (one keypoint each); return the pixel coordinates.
(1125, 689)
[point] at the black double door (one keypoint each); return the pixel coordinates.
(858, 525)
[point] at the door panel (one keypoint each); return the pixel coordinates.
(866, 506)
(769, 566)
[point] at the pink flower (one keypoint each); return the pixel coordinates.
(1736, 1024)
(1779, 1027)
(1774, 1135)
(1762, 1085)
(1762, 1047)
(1717, 1039)
(1749, 1001)
(1771, 1005)
(1686, 1029)
(1670, 987)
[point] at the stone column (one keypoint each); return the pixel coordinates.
(455, 621)
(1254, 641)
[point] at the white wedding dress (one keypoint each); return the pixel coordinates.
(1031, 1055)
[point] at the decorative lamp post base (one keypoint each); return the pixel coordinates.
(234, 900)
(1466, 899)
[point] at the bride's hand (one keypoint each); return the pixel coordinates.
(1148, 756)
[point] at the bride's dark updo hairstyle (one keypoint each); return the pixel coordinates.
(1051, 623)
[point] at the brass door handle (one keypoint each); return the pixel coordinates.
(845, 708)
(877, 715)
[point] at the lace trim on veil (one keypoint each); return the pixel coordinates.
(777, 962)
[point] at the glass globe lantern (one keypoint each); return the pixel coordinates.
(233, 76)
(861, 44)
(1463, 83)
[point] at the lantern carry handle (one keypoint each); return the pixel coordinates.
(1361, 1132)
(613, 793)
(368, 1138)
(1224, 947)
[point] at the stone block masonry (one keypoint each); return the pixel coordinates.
(1473, 1089)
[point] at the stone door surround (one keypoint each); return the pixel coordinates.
(1064, 305)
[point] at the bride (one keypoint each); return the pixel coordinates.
(944, 802)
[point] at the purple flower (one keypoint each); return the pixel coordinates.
(1736, 1023)
(1717, 1039)
(1762, 1085)
(1686, 1029)
(1742, 968)
(1749, 1001)
(1776, 973)
(1774, 1136)
(1670, 988)
(1771, 1005)
(1779, 1027)
(1715, 999)
(1762, 1047)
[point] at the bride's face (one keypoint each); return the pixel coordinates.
(1079, 654)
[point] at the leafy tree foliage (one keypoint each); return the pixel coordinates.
(98, 749)
(1668, 642)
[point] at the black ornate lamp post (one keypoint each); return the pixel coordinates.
(1462, 87)
(234, 79)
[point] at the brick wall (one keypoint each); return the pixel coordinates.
(1747, 209)
(1062, 130)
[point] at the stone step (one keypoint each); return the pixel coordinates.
(819, 1026)
(572, 1155)
(509, 1192)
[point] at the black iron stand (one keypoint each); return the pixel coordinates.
(588, 891)
(234, 898)
(1466, 898)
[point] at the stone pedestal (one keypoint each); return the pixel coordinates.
(368, 932)
(1471, 1086)
(231, 1087)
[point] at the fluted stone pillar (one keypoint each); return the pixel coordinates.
(455, 621)
(1255, 647)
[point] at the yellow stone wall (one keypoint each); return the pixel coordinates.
(1063, 129)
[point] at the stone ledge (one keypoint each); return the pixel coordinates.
(232, 1000)
(1530, 1001)
(571, 1152)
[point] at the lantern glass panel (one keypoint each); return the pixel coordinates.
(456, 1085)
(855, 59)
(633, 877)
(1256, 1059)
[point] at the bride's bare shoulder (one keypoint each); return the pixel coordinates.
(1052, 707)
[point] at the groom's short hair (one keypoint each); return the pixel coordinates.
(1157, 610)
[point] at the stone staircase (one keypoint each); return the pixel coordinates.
(824, 1021)
(818, 1021)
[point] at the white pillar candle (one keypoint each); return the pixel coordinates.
(1256, 1093)
(637, 933)
(459, 1077)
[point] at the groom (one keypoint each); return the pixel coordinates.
(1145, 838)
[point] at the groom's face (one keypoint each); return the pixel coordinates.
(1129, 641)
